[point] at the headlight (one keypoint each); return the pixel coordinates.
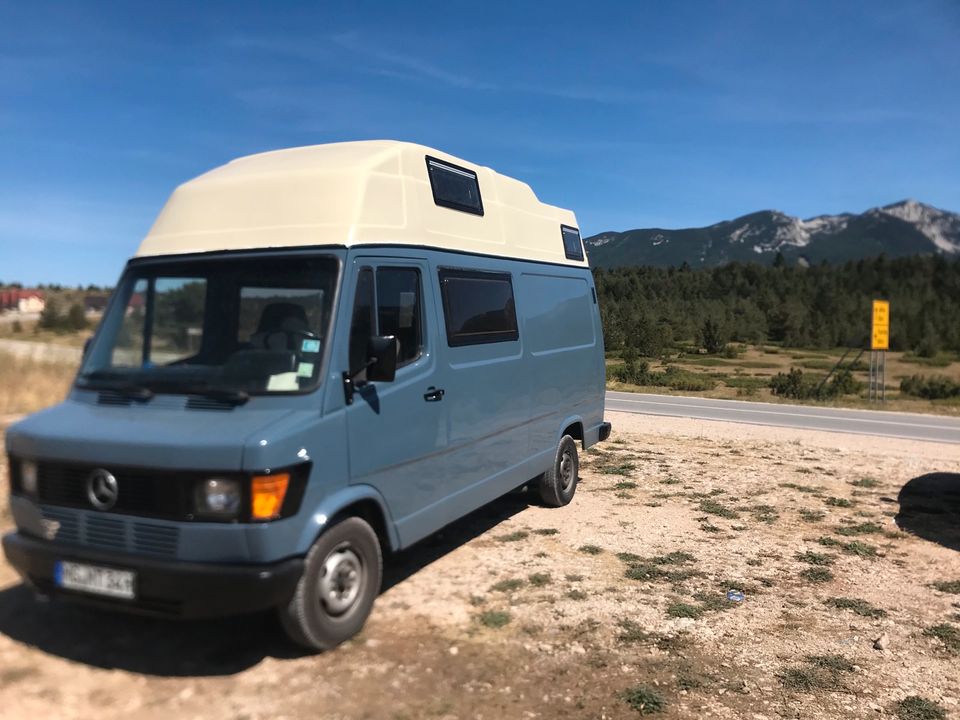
(28, 477)
(217, 497)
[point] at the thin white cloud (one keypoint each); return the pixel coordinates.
(415, 67)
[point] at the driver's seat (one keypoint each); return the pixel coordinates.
(281, 325)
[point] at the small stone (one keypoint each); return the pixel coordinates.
(882, 642)
(454, 650)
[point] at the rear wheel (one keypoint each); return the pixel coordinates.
(340, 581)
(559, 483)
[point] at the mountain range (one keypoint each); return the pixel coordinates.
(904, 228)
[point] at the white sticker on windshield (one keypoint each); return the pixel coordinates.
(305, 370)
(283, 382)
(310, 346)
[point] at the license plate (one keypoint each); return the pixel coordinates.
(95, 580)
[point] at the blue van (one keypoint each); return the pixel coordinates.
(317, 355)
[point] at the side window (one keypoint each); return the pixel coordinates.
(398, 310)
(478, 307)
(572, 246)
(363, 324)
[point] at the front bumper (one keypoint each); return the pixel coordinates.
(605, 431)
(163, 587)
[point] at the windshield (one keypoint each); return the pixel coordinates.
(229, 326)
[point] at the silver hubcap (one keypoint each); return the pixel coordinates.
(340, 580)
(566, 471)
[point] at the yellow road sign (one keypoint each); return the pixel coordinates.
(880, 335)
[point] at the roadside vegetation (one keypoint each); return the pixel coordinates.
(27, 385)
(779, 333)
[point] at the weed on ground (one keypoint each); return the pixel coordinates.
(918, 708)
(946, 633)
(817, 575)
(712, 507)
(819, 672)
(856, 606)
(684, 610)
(540, 579)
(867, 528)
(644, 700)
(812, 558)
(514, 536)
(494, 618)
(838, 502)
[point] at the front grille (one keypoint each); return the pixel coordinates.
(140, 492)
(101, 531)
(155, 539)
(106, 532)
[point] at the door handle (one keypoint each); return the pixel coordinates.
(433, 394)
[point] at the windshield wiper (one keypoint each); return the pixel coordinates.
(136, 392)
(115, 382)
(222, 394)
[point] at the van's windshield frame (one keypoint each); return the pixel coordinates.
(225, 325)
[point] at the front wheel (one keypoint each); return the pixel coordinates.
(340, 581)
(559, 483)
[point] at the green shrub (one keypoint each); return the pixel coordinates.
(798, 386)
(639, 373)
(793, 385)
(935, 387)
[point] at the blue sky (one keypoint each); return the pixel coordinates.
(632, 114)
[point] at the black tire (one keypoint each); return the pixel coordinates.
(559, 483)
(330, 604)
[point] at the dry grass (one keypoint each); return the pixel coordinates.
(29, 385)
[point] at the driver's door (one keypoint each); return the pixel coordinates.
(398, 430)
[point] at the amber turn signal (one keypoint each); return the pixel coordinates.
(267, 494)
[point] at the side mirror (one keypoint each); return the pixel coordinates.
(382, 354)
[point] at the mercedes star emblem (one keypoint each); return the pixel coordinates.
(102, 490)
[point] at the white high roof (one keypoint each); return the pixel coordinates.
(353, 193)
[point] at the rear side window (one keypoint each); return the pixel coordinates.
(454, 187)
(572, 246)
(478, 307)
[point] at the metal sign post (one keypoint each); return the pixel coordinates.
(879, 344)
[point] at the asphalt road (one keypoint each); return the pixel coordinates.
(908, 426)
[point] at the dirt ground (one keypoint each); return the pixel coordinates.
(610, 607)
